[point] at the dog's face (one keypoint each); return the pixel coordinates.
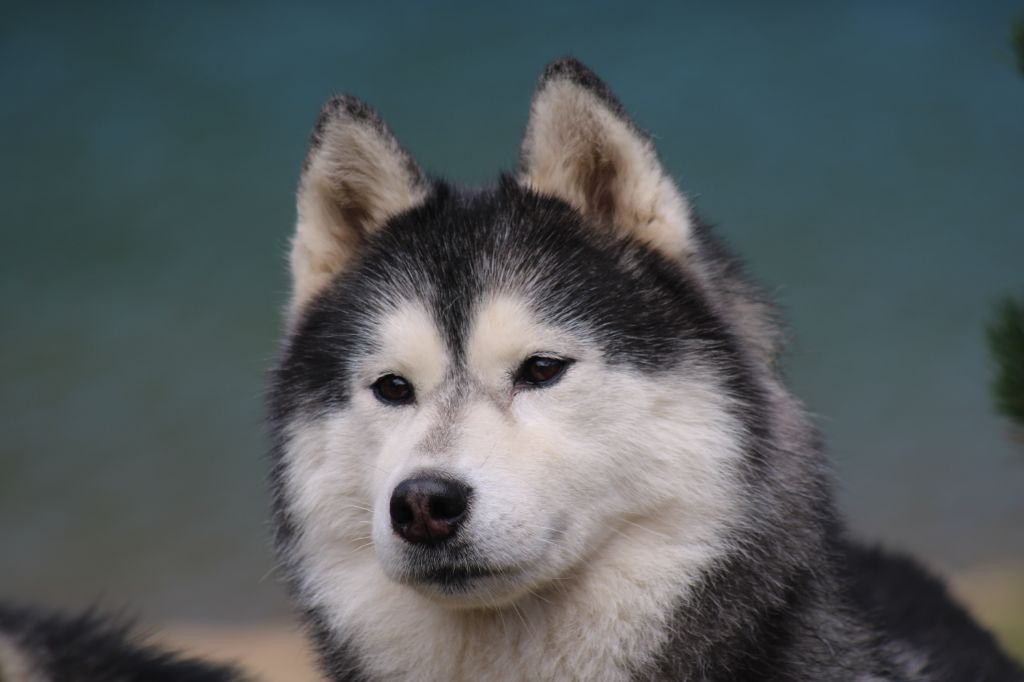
(482, 390)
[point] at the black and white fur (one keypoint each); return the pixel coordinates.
(40, 646)
(662, 511)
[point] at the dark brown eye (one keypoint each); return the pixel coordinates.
(539, 370)
(393, 390)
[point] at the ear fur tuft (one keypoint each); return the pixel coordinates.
(582, 147)
(356, 176)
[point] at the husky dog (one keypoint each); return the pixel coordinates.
(538, 432)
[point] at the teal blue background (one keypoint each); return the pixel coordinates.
(864, 157)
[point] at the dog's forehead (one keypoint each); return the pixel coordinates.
(458, 253)
(501, 328)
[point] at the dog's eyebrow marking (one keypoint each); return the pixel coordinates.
(502, 332)
(411, 340)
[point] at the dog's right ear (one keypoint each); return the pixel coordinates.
(582, 147)
(356, 176)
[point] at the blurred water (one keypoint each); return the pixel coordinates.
(865, 157)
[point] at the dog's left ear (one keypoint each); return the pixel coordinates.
(582, 147)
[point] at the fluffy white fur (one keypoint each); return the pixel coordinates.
(635, 474)
(578, 149)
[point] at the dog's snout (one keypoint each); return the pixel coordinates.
(428, 509)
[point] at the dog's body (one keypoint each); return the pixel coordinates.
(536, 432)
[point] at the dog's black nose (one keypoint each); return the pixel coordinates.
(428, 509)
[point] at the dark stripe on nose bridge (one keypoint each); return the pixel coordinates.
(441, 435)
(454, 290)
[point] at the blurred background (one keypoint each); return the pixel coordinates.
(863, 157)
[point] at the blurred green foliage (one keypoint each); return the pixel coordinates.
(1017, 42)
(1006, 339)
(1006, 331)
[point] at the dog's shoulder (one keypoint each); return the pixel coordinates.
(914, 609)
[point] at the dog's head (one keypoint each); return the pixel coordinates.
(483, 390)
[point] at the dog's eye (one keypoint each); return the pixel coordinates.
(539, 370)
(393, 390)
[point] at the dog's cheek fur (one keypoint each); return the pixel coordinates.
(605, 449)
(602, 450)
(622, 454)
(334, 481)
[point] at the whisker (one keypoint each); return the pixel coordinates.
(649, 530)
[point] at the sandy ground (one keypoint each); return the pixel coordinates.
(278, 652)
(270, 652)
(995, 595)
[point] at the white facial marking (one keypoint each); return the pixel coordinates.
(410, 345)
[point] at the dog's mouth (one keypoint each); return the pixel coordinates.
(457, 578)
